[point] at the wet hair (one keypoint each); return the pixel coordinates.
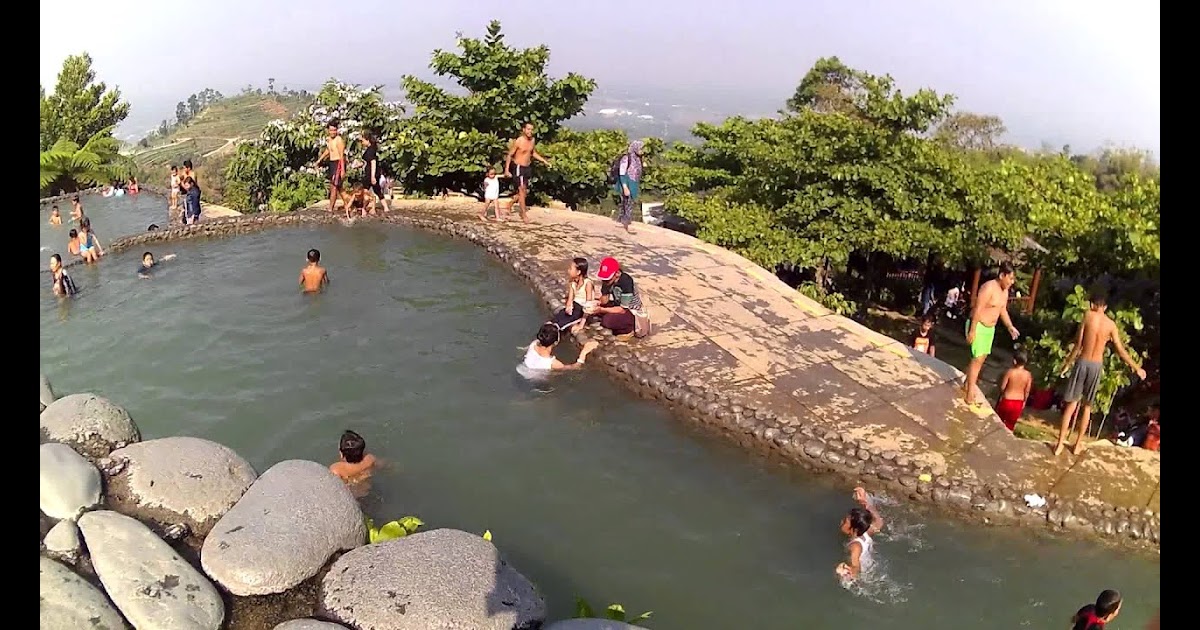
(358, 186)
(73, 233)
(548, 334)
(1020, 358)
(86, 222)
(1006, 268)
(1097, 297)
(150, 254)
(75, 198)
(860, 520)
(56, 258)
(153, 227)
(1106, 604)
(187, 164)
(54, 207)
(527, 124)
(580, 265)
(352, 446)
(314, 255)
(927, 318)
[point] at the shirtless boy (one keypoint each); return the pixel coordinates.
(313, 276)
(76, 209)
(518, 165)
(55, 217)
(335, 153)
(355, 463)
(1014, 391)
(990, 305)
(1095, 331)
(73, 242)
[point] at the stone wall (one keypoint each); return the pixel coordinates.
(67, 197)
(753, 425)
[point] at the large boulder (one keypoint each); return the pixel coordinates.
(92, 425)
(308, 624)
(590, 624)
(283, 530)
(69, 483)
(177, 480)
(47, 393)
(444, 578)
(68, 602)
(151, 584)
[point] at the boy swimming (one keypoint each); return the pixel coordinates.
(540, 354)
(55, 217)
(1014, 391)
(149, 263)
(313, 276)
(355, 465)
(62, 284)
(859, 524)
(1097, 616)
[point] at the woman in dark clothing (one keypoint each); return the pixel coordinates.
(372, 171)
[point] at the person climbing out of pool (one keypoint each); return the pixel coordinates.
(618, 299)
(580, 296)
(77, 209)
(355, 465)
(335, 153)
(358, 200)
(859, 524)
(313, 276)
(89, 245)
(922, 341)
(61, 283)
(1097, 616)
(148, 263)
(55, 217)
(1014, 391)
(540, 355)
(73, 242)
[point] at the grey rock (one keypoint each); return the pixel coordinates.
(590, 624)
(179, 480)
(832, 457)
(283, 530)
(69, 483)
(443, 578)
(887, 472)
(68, 602)
(309, 624)
(62, 541)
(47, 394)
(91, 425)
(151, 584)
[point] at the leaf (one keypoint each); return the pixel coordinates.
(391, 531)
(615, 612)
(411, 524)
(642, 617)
(583, 610)
(487, 535)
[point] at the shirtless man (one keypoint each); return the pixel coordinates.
(313, 276)
(1095, 331)
(335, 152)
(990, 305)
(518, 164)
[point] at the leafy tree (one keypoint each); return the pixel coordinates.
(969, 131)
(581, 164)
(451, 139)
(181, 113)
(79, 107)
(164, 128)
(193, 105)
(1111, 165)
(69, 167)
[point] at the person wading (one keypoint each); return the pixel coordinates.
(518, 165)
(990, 305)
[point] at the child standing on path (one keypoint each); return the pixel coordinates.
(491, 195)
(1014, 391)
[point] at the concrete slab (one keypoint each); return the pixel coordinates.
(822, 340)
(719, 315)
(825, 392)
(1113, 475)
(941, 411)
(703, 360)
(889, 375)
(883, 428)
(764, 353)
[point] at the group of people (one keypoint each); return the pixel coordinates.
(365, 195)
(82, 244)
(185, 192)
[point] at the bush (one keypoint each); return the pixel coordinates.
(296, 192)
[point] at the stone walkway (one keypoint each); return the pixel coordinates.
(732, 325)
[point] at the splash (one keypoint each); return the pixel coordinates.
(877, 585)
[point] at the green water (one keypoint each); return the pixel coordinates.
(111, 217)
(586, 489)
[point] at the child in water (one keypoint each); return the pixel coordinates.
(149, 263)
(313, 276)
(62, 285)
(581, 295)
(355, 465)
(859, 524)
(89, 245)
(540, 355)
(73, 242)
(55, 217)
(1097, 616)
(1014, 391)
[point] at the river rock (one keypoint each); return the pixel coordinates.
(283, 530)
(69, 483)
(178, 480)
(47, 393)
(443, 578)
(62, 541)
(151, 584)
(591, 624)
(68, 602)
(309, 624)
(92, 425)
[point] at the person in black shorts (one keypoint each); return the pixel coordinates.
(373, 171)
(518, 164)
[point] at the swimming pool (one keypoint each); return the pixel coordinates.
(588, 490)
(112, 218)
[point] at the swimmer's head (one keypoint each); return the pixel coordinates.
(1106, 608)
(174, 169)
(314, 256)
(153, 227)
(187, 164)
(857, 522)
(75, 199)
(357, 187)
(548, 335)
(55, 262)
(73, 233)
(54, 211)
(85, 222)
(148, 259)
(1098, 299)
(352, 446)
(1020, 359)
(577, 268)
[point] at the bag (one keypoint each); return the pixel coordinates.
(614, 171)
(641, 319)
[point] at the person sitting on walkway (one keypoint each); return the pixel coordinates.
(540, 354)
(859, 524)
(580, 296)
(1096, 616)
(618, 299)
(922, 341)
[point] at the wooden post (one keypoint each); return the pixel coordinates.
(1033, 290)
(975, 285)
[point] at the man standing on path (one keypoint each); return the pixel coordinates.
(518, 164)
(1095, 331)
(335, 151)
(991, 304)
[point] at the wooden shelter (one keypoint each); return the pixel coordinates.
(998, 256)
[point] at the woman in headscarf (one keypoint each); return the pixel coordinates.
(629, 177)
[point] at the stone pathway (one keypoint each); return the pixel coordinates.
(735, 326)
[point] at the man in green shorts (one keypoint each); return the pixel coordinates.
(990, 305)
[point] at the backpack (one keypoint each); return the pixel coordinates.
(614, 171)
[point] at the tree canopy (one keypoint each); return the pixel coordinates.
(69, 167)
(79, 108)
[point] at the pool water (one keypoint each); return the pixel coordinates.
(589, 491)
(112, 218)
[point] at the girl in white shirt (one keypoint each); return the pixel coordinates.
(540, 354)
(858, 525)
(491, 195)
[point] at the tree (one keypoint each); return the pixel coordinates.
(79, 107)
(451, 139)
(193, 105)
(164, 128)
(970, 132)
(831, 87)
(270, 86)
(581, 163)
(181, 113)
(1111, 165)
(70, 167)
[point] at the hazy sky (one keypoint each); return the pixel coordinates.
(1063, 71)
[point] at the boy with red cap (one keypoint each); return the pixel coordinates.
(618, 299)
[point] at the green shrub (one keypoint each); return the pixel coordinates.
(395, 529)
(296, 192)
(831, 300)
(614, 612)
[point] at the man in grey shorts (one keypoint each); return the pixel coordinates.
(1095, 331)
